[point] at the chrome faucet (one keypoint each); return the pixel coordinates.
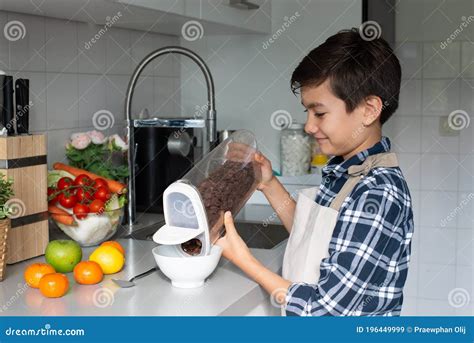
(208, 125)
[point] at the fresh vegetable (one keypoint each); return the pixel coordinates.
(102, 193)
(60, 215)
(114, 186)
(100, 182)
(81, 211)
(67, 199)
(97, 206)
(65, 183)
(84, 196)
(55, 175)
(83, 180)
(52, 196)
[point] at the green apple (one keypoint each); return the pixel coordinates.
(63, 255)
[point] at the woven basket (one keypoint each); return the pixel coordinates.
(4, 227)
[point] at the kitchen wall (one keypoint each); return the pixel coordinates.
(252, 72)
(71, 78)
(438, 79)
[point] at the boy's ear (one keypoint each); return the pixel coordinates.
(373, 109)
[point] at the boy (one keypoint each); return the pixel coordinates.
(349, 244)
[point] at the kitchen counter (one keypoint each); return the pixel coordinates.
(228, 291)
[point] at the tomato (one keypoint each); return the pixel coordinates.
(65, 183)
(97, 206)
(67, 199)
(81, 210)
(84, 195)
(99, 182)
(51, 192)
(102, 193)
(83, 180)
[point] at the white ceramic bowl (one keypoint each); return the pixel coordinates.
(186, 272)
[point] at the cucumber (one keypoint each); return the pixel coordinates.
(55, 175)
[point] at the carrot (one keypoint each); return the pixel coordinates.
(114, 186)
(60, 215)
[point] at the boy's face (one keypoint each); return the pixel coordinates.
(337, 132)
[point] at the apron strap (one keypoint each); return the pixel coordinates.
(357, 172)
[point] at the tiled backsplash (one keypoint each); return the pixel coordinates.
(69, 83)
(439, 169)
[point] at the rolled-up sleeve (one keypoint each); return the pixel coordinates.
(365, 271)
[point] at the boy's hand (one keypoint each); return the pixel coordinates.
(267, 172)
(234, 248)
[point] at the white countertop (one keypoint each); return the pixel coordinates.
(227, 292)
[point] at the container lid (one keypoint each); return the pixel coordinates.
(296, 126)
(173, 235)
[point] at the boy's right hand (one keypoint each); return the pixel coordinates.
(267, 171)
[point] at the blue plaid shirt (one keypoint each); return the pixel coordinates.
(369, 250)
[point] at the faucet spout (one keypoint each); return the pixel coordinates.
(210, 132)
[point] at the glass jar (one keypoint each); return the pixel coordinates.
(295, 148)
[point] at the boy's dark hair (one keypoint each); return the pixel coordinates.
(356, 68)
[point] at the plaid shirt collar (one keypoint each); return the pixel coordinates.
(338, 166)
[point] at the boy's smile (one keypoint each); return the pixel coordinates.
(338, 132)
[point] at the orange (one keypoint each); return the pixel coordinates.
(34, 272)
(116, 245)
(109, 258)
(54, 285)
(88, 273)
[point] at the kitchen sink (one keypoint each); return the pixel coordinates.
(256, 235)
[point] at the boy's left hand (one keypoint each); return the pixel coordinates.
(234, 248)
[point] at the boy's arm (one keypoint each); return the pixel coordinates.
(281, 201)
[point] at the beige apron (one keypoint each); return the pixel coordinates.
(314, 224)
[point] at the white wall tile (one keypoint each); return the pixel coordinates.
(465, 285)
(410, 56)
(436, 281)
(467, 95)
(410, 165)
(411, 284)
(465, 210)
(61, 46)
(415, 198)
(167, 97)
(92, 98)
(410, 97)
(467, 59)
(37, 112)
(62, 101)
(410, 306)
(57, 140)
(406, 133)
(465, 247)
(4, 45)
(440, 97)
(439, 172)
(433, 142)
(466, 173)
(115, 97)
(91, 55)
(441, 62)
(437, 246)
(428, 307)
(436, 206)
(118, 54)
(466, 136)
(144, 96)
(169, 65)
(28, 53)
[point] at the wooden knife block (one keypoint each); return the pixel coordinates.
(23, 158)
